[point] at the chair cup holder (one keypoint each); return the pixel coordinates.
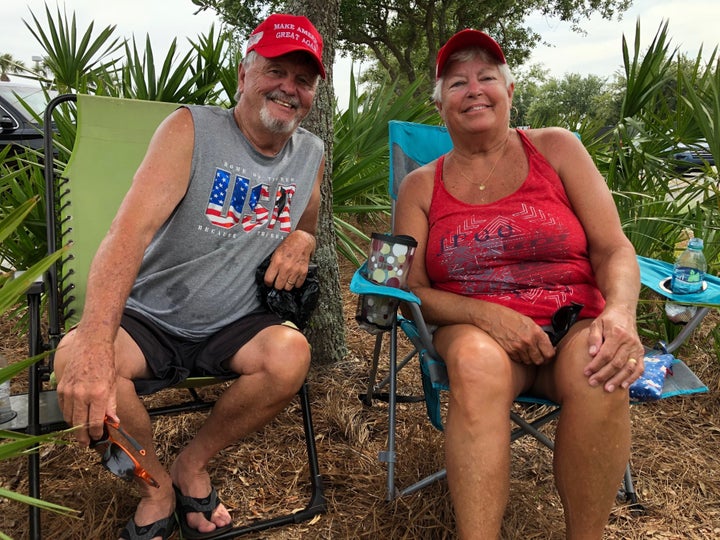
(665, 285)
(375, 313)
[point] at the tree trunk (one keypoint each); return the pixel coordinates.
(327, 327)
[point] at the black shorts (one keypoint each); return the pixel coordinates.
(173, 359)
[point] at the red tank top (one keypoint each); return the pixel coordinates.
(527, 251)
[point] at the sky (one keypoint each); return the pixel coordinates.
(691, 23)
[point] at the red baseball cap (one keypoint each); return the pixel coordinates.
(281, 34)
(466, 39)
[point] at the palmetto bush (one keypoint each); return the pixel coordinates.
(666, 101)
(361, 159)
(12, 289)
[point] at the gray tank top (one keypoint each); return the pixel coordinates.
(197, 275)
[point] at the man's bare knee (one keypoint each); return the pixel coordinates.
(289, 361)
(280, 353)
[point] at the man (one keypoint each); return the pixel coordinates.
(171, 289)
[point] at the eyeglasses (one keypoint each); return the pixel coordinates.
(562, 320)
(117, 459)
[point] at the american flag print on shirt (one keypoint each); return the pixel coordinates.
(227, 212)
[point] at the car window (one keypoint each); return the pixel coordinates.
(32, 95)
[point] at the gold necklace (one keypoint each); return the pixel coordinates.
(481, 185)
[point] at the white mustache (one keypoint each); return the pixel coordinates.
(279, 95)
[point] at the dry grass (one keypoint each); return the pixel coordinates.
(676, 444)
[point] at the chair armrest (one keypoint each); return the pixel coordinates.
(653, 274)
(36, 288)
(33, 293)
(362, 285)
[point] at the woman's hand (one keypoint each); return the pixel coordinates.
(616, 351)
(523, 340)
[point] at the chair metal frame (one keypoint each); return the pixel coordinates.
(38, 412)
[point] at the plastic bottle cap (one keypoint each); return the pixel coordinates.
(695, 243)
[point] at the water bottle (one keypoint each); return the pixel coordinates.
(687, 278)
(6, 411)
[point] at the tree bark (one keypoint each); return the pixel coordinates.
(326, 331)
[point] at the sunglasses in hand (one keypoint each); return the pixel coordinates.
(117, 458)
(562, 320)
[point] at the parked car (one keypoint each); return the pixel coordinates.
(18, 127)
(689, 157)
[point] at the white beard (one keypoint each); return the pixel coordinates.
(276, 125)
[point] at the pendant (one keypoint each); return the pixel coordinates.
(481, 187)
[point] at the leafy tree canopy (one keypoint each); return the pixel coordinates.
(568, 101)
(403, 36)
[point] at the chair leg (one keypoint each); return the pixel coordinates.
(367, 397)
(389, 456)
(531, 428)
(420, 484)
(630, 495)
(372, 391)
(317, 503)
(685, 333)
(33, 421)
(34, 455)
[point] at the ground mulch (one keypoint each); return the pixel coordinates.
(675, 462)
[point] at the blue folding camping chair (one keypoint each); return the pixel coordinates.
(413, 145)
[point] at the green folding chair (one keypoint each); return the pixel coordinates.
(413, 145)
(112, 137)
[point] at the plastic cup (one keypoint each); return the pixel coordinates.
(6, 411)
(388, 264)
(390, 259)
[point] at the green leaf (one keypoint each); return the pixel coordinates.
(16, 368)
(25, 499)
(13, 289)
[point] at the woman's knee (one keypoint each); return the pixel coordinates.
(575, 391)
(480, 374)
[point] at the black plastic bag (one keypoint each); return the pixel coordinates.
(296, 305)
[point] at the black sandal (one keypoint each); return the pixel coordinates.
(185, 504)
(162, 527)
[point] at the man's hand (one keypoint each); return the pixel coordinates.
(86, 392)
(289, 264)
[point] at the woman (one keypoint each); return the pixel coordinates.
(512, 226)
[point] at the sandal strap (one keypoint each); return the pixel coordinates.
(206, 505)
(162, 527)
